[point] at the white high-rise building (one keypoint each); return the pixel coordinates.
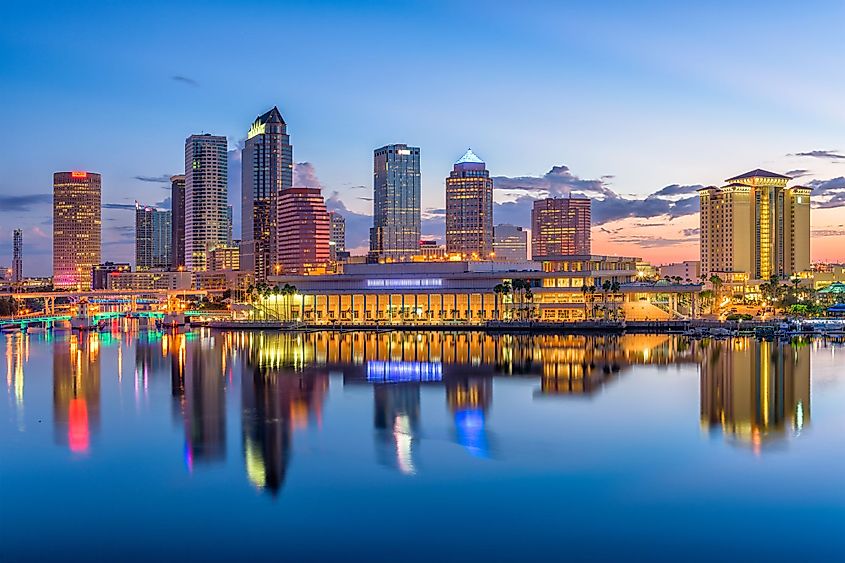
(206, 193)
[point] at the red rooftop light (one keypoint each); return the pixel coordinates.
(76, 174)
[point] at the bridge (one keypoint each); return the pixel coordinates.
(135, 303)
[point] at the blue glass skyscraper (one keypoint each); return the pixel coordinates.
(395, 234)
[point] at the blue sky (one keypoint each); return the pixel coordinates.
(636, 96)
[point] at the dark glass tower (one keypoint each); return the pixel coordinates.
(177, 206)
(267, 163)
(395, 234)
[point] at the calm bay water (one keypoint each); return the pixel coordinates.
(420, 446)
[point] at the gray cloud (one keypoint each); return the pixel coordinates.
(185, 80)
(305, 176)
(833, 155)
(798, 173)
(828, 194)
(828, 232)
(162, 179)
(691, 232)
(18, 203)
(123, 206)
(357, 224)
(607, 204)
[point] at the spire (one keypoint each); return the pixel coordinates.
(471, 157)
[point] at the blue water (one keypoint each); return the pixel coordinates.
(420, 447)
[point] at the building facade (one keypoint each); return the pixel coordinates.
(510, 243)
(77, 228)
(686, 270)
(560, 227)
(395, 234)
(267, 169)
(224, 258)
(303, 231)
(561, 290)
(206, 173)
(469, 209)
(153, 238)
(177, 221)
(101, 272)
(337, 235)
(17, 256)
(122, 280)
(755, 226)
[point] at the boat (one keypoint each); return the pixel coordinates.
(10, 328)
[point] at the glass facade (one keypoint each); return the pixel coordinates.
(153, 238)
(177, 221)
(396, 202)
(267, 169)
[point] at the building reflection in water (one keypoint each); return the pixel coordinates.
(397, 417)
(755, 393)
(17, 354)
(76, 391)
(277, 398)
(469, 399)
(205, 401)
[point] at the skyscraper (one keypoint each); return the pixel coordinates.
(153, 238)
(303, 232)
(17, 256)
(177, 221)
(469, 209)
(229, 218)
(267, 169)
(206, 172)
(560, 227)
(510, 243)
(77, 228)
(396, 202)
(755, 225)
(337, 234)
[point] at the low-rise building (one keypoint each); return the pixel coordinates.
(686, 270)
(148, 280)
(224, 258)
(101, 272)
(559, 289)
(221, 280)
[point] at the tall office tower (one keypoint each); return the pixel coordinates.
(153, 238)
(267, 162)
(337, 234)
(395, 233)
(77, 228)
(177, 221)
(17, 256)
(206, 171)
(560, 227)
(756, 226)
(229, 239)
(303, 231)
(469, 209)
(510, 243)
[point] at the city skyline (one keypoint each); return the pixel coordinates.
(668, 132)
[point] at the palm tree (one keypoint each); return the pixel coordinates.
(499, 290)
(615, 288)
(585, 289)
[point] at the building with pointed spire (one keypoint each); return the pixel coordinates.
(267, 170)
(469, 209)
(755, 227)
(395, 235)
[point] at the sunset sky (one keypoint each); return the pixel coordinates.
(636, 104)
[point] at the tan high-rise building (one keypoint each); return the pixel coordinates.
(756, 226)
(560, 226)
(469, 209)
(77, 228)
